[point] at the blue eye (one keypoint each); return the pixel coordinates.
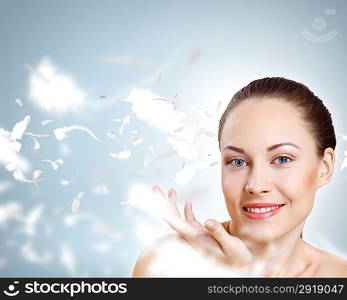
(238, 162)
(283, 160)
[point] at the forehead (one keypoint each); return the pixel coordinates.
(264, 122)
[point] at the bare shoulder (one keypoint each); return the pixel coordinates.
(336, 264)
(331, 265)
(161, 258)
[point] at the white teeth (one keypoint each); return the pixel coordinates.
(260, 210)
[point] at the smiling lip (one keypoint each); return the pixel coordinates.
(262, 204)
(258, 211)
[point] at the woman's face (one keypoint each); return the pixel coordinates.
(269, 168)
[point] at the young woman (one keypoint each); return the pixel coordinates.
(277, 144)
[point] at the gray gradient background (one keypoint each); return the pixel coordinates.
(238, 41)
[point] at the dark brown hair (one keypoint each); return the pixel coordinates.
(313, 111)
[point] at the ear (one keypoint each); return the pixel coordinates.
(326, 167)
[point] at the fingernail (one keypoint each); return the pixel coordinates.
(171, 192)
(211, 225)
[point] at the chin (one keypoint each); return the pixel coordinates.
(260, 233)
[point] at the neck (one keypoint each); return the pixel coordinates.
(282, 257)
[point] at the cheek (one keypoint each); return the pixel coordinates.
(298, 185)
(311, 178)
(232, 184)
(300, 179)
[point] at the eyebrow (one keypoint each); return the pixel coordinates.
(271, 148)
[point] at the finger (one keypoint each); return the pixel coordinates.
(171, 214)
(199, 237)
(156, 188)
(203, 238)
(188, 211)
(170, 205)
(190, 217)
(232, 246)
(173, 201)
(205, 242)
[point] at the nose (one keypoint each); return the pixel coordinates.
(258, 181)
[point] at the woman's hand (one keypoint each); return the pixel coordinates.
(212, 240)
